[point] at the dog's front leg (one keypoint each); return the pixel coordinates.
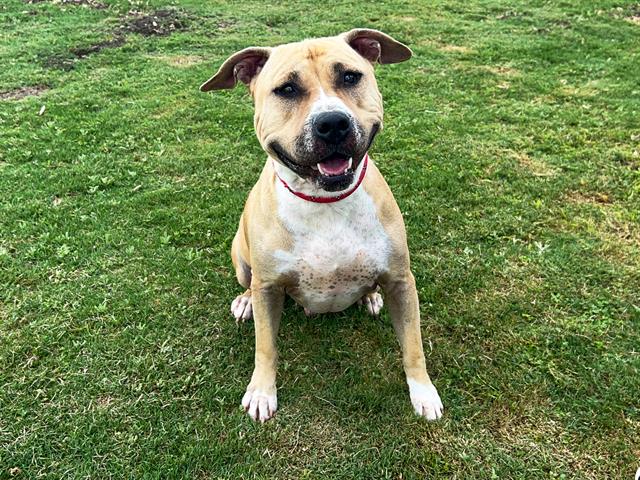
(401, 298)
(260, 400)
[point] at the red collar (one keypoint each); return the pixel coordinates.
(337, 198)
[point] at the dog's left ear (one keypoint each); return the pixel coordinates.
(376, 46)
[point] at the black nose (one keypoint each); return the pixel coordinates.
(332, 127)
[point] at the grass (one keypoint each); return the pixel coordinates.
(512, 146)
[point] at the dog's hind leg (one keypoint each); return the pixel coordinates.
(373, 303)
(241, 307)
(240, 255)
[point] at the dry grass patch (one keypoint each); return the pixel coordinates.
(587, 90)
(620, 237)
(180, 61)
(455, 49)
(501, 70)
(588, 198)
(544, 437)
(534, 166)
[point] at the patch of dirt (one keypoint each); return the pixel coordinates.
(633, 19)
(551, 26)
(84, 3)
(160, 23)
(60, 61)
(561, 23)
(23, 92)
(501, 70)
(509, 14)
(82, 52)
(222, 24)
(67, 61)
(104, 402)
(631, 14)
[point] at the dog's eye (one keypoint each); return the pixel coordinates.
(351, 78)
(288, 90)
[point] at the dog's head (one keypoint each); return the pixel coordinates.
(317, 104)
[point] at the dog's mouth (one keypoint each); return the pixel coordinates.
(333, 172)
(334, 165)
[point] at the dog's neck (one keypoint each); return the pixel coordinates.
(307, 190)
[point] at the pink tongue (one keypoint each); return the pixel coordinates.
(334, 166)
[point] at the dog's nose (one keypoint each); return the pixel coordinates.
(332, 127)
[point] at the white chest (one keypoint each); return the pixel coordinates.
(339, 249)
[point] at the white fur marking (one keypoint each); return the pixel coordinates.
(241, 307)
(425, 399)
(260, 405)
(326, 103)
(339, 249)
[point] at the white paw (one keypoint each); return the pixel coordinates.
(241, 307)
(425, 400)
(373, 302)
(259, 404)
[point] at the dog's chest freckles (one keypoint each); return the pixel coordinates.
(339, 250)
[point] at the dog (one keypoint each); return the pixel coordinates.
(321, 224)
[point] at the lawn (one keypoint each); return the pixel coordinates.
(512, 144)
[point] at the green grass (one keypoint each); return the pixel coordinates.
(512, 146)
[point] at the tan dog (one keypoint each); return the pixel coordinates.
(321, 223)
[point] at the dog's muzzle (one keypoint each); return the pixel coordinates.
(332, 127)
(329, 150)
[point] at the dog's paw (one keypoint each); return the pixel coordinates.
(261, 405)
(241, 307)
(425, 400)
(373, 302)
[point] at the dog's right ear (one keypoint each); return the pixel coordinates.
(243, 65)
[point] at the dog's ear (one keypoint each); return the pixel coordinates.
(376, 46)
(243, 65)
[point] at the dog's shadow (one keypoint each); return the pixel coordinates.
(347, 362)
